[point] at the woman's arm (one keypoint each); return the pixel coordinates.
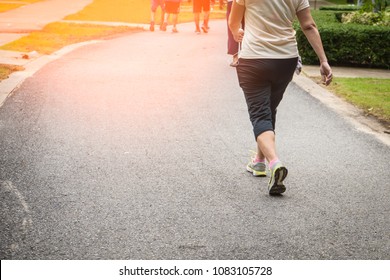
(310, 30)
(235, 18)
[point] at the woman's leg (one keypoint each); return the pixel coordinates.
(264, 82)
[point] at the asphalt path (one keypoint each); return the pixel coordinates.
(135, 148)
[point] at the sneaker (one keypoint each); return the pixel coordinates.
(278, 174)
(151, 28)
(258, 169)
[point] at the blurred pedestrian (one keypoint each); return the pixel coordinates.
(233, 46)
(200, 6)
(172, 7)
(154, 5)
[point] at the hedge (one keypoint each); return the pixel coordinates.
(347, 44)
(339, 8)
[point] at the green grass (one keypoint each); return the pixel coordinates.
(6, 70)
(137, 11)
(134, 11)
(15, 4)
(55, 36)
(371, 95)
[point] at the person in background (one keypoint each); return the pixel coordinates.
(172, 7)
(154, 5)
(198, 7)
(267, 62)
(233, 46)
(221, 4)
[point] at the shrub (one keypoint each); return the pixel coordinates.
(367, 18)
(379, 5)
(347, 44)
(339, 8)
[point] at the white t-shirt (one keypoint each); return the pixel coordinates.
(268, 28)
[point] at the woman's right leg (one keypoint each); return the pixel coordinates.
(256, 78)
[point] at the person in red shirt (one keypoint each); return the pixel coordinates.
(198, 7)
(154, 5)
(172, 7)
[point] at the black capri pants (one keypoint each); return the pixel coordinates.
(264, 82)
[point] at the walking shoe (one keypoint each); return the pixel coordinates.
(258, 169)
(278, 174)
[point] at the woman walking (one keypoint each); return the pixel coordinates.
(266, 66)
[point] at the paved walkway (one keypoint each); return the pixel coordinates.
(79, 140)
(35, 16)
(18, 22)
(111, 142)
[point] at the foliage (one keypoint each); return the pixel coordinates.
(339, 2)
(339, 8)
(379, 5)
(367, 18)
(347, 44)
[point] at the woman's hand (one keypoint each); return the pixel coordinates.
(326, 73)
(238, 35)
(235, 20)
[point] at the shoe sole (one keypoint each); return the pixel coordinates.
(279, 176)
(256, 173)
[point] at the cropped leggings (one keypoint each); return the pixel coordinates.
(264, 82)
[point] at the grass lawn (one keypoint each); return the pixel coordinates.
(15, 4)
(134, 11)
(6, 70)
(371, 95)
(57, 35)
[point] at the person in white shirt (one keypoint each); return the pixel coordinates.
(266, 66)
